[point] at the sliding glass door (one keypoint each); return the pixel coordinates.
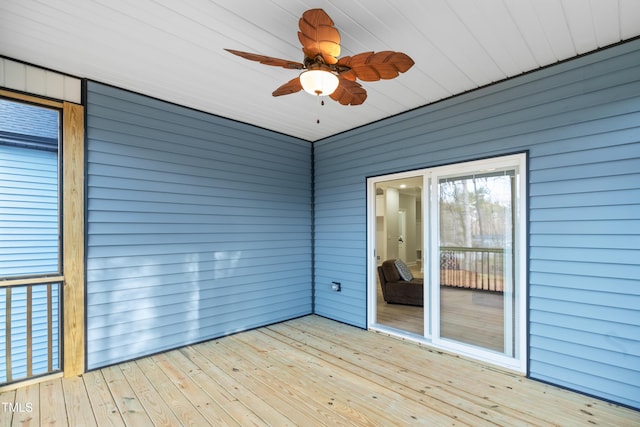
(472, 257)
(477, 247)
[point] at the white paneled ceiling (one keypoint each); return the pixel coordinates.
(173, 50)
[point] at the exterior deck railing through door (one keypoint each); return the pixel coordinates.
(30, 330)
(472, 268)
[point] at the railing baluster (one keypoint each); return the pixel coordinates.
(7, 345)
(49, 328)
(481, 269)
(29, 331)
(484, 272)
(486, 256)
(495, 272)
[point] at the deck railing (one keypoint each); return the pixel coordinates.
(472, 268)
(30, 330)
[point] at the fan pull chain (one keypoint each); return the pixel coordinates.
(321, 105)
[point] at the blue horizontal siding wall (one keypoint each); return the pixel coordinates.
(198, 226)
(29, 215)
(580, 123)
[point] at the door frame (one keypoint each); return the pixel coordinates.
(518, 363)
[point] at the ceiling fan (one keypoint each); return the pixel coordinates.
(326, 74)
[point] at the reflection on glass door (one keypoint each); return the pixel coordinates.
(476, 236)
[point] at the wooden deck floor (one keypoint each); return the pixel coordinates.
(311, 372)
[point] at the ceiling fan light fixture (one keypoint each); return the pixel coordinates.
(319, 82)
(326, 74)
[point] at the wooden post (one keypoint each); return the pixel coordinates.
(73, 244)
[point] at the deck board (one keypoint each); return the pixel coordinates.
(77, 403)
(282, 402)
(101, 400)
(158, 411)
(410, 385)
(128, 405)
(308, 371)
(217, 397)
(171, 395)
(51, 405)
(337, 395)
(27, 415)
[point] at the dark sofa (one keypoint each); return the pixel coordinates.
(396, 290)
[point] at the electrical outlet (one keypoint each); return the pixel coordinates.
(336, 286)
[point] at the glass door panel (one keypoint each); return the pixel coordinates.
(476, 234)
(399, 236)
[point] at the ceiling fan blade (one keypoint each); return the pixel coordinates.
(349, 92)
(372, 66)
(349, 75)
(288, 88)
(268, 60)
(318, 36)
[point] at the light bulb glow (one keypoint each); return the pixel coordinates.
(319, 82)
